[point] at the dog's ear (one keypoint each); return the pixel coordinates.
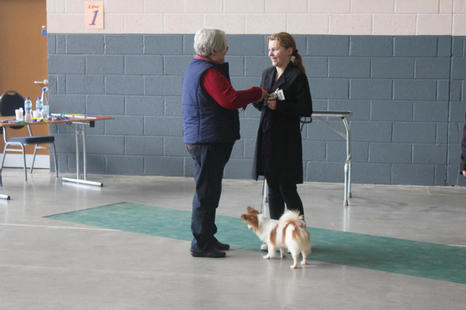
(251, 219)
(251, 210)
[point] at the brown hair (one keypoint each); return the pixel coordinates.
(286, 40)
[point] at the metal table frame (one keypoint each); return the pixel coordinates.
(3, 196)
(80, 129)
(322, 116)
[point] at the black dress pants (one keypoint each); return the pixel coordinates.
(281, 194)
(209, 162)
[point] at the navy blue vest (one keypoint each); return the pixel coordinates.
(204, 120)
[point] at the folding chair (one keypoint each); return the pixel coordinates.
(9, 102)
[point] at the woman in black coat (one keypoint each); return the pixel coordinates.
(278, 154)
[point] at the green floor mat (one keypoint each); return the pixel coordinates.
(420, 259)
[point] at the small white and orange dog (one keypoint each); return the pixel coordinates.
(287, 232)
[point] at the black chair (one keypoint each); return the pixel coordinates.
(9, 102)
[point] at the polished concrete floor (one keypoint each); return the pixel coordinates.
(51, 264)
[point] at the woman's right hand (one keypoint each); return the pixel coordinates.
(271, 102)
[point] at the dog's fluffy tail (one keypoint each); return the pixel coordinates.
(293, 217)
(298, 228)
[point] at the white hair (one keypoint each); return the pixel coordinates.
(208, 41)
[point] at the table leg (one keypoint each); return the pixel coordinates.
(349, 179)
(345, 189)
(83, 133)
(80, 127)
(265, 198)
(347, 163)
(3, 196)
(347, 169)
(76, 136)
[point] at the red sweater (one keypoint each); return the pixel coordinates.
(221, 90)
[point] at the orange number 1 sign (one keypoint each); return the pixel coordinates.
(94, 14)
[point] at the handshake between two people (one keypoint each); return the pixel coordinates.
(270, 99)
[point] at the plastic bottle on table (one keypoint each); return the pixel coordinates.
(45, 102)
(27, 109)
(39, 107)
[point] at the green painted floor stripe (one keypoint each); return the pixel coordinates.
(420, 259)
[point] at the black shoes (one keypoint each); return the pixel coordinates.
(212, 253)
(220, 246)
(215, 250)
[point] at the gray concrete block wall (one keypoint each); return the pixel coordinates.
(407, 95)
(457, 104)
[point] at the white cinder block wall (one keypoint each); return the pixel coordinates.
(349, 17)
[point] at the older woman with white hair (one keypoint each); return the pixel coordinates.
(211, 127)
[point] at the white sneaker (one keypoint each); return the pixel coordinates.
(264, 246)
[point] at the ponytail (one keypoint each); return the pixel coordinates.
(297, 60)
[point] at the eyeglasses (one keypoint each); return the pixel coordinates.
(227, 48)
